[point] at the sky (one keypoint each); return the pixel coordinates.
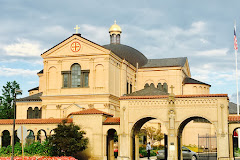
(202, 31)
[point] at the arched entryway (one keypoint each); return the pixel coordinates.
(137, 131)
(30, 137)
(235, 142)
(112, 144)
(208, 150)
(6, 138)
(41, 135)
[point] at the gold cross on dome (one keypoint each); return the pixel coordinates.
(76, 28)
(115, 22)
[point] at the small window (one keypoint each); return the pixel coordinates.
(127, 87)
(85, 79)
(130, 88)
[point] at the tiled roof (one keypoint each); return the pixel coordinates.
(128, 53)
(166, 62)
(35, 97)
(233, 118)
(90, 111)
(232, 108)
(189, 80)
(177, 96)
(112, 121)
(148, 91)
(34, 121)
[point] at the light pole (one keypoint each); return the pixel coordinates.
(16, 92)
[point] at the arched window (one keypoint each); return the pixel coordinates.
(30, 113)
(36, 112)
(118, 38)
(76, 75)
(113, 38)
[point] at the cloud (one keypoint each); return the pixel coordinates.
(98, 34)
(213, 52)
(6, 72)
(23, 48)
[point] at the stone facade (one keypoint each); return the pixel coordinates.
(96, 87)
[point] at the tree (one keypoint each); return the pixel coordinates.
(67, 140)
(6, 107)
(154, 134)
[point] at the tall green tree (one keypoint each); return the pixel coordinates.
(67, 140)
(7, 98)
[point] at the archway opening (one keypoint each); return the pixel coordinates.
(41, 135)
(112, 144)
(148, 130)
(236, 150)
(197, 138)
(6, 138)
(30, 137)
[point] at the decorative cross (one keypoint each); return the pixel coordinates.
(115, 22)
(171, 88)
(77, 28)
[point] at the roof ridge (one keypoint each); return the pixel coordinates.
(90, 111)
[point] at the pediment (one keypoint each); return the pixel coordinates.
(75, 46)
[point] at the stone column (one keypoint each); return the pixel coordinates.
(123, 152)
(35, 137)
(231, 145)
(111, 150)
(105, 147)
(136, 147)
(1, 140)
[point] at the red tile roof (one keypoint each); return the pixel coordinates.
(112, 121)
(234, 118)
(34, 121)
(176, 96)
(90, 111)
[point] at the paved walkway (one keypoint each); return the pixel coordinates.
(152, 158)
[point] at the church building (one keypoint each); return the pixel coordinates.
(114, 88)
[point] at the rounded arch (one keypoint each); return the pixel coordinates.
(36, 112)
(51, 132)
(181, 127)
(6, 138)
(192, 117)
(149, 81)
(30, 113)
(111, 144)
(52, 76)
(134, 133)
(30, 136)
(187, 120)
(235, 135)
(100, 78)
(41, 137)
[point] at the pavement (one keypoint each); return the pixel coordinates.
(152, 158)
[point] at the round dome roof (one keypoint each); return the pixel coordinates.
(115, 28)
(128, 53)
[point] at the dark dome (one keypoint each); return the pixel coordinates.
(130, 54)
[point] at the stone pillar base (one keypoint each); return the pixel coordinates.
(123, 158)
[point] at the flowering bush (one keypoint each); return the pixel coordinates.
(39, 158)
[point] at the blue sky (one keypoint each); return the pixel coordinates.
(200, 30)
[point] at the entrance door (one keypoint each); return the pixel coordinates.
(166, 146)
(179, 148)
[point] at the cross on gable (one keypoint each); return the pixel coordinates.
(76, 28)
(171, 88)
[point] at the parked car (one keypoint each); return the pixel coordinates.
(187, 154)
